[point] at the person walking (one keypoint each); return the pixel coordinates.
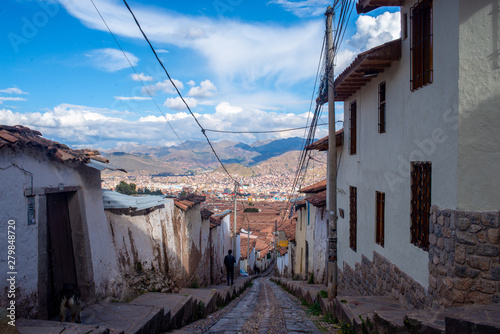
(229, 262)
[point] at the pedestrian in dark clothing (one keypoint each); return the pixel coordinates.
(229, 262)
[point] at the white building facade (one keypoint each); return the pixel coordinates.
(418, 181)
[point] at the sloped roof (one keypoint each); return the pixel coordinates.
(194, 198)
(215, 220)
(365, 6)
(115, 200)
(322, 144)
(205, 214)
(184, 204)
(318, 200)
(314, 188)
(376, 60)
(27, 139)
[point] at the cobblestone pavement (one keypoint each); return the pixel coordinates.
(263, 308)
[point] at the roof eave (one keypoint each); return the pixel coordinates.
(365, 6)
(378, 58)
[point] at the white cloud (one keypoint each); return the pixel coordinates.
(374, 31)
(191, 83)
(12, 90)
(111, 60)
(10, 99)
(235, 51)
(132, 98)
(141, 77)
(162, 51)
(303, 8)
(205, 89)
(178, 104)
(99, 127)
(163, 87)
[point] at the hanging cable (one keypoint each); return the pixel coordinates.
(177, 90)
(145, 87)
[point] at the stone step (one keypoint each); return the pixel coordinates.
(33, 326)
(371, 313)
(473, 319)
(128, 318)
(178, 308)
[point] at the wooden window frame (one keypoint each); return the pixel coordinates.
(380, 218)
(353, 218)
(421, 44)
(352, 128)
(405, 26)
(421, 186)
(381, 107)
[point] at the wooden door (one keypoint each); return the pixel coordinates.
(62, 268)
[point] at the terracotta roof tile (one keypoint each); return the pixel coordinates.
(27, 139)
(314, 188)
(318, 199)
(322, 144)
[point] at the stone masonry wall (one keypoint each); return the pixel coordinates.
(383, 278)
(464, 262)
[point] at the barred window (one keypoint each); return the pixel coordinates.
(380, 218)
(420, 203)
(421, 44)
(405, 26)
(353, 218)
(381, 107)
(352, 128)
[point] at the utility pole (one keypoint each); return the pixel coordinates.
(275, 243)
(248, 247)
(332, 162)
(235, 208)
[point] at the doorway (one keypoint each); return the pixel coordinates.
(62, 266)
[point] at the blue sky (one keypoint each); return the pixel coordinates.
(241, 65)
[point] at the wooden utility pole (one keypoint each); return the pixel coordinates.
(332, 162)
(235, 209)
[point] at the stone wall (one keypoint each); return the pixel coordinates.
(464, 266)
(380, 277)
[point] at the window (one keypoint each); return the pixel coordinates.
(380, 218)
(421, 44)
(352, 128)
(420, 203)
(381, 107)
(353, 217)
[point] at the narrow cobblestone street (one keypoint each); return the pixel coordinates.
(263, 308)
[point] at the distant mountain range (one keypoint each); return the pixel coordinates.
(195, 156)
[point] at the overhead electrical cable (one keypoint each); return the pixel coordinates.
(145, 87)
(178, 92)
(270, 131)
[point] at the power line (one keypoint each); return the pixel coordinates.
(143, 84)
(177, 90)
(270, 131)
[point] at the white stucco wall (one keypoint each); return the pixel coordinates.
(50, 174)
(310, 224)
(420, 126)
(479, 106)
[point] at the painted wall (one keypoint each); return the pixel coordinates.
(479, 100)
(300, 240)
(420, 127)
(310, 238)
(320, 246)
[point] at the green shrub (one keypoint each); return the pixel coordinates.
(311, 279)
(323, 294)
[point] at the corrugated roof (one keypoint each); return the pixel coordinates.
(365, 6)
(114, 200)
(27, 139)
(322, 144)
(314, 188)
